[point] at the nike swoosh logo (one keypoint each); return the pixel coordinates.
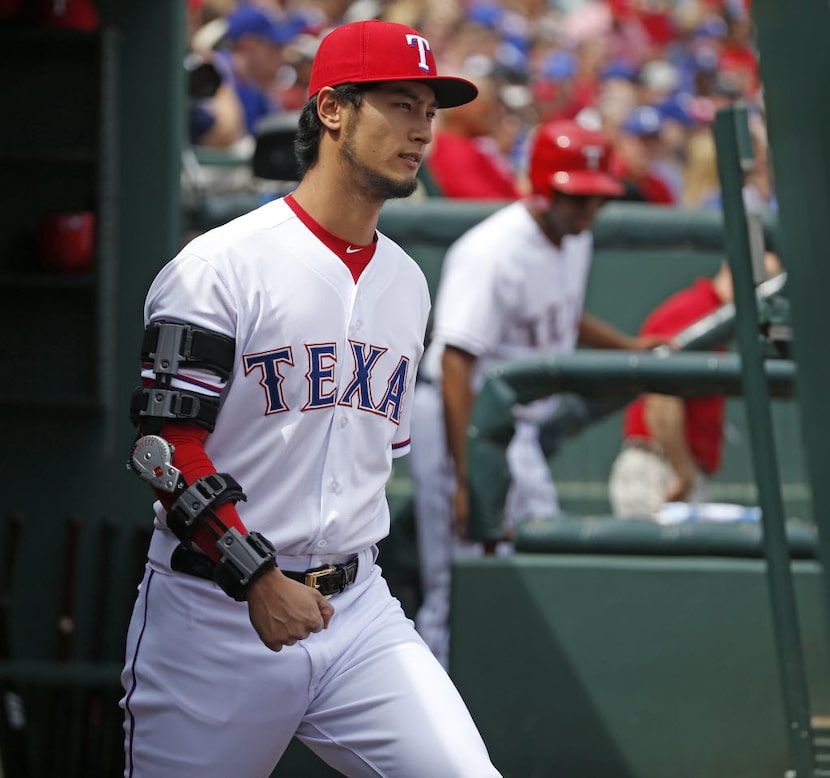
(353, 250)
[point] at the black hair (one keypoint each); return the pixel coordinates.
(310, 128)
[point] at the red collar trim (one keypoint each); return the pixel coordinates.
(355, 257)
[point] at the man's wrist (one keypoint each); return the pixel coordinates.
(245, 559)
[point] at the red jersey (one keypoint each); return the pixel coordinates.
(704, 415)
(465, 168)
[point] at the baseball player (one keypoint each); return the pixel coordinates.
(512, 286)
(673, 445)
(278, 365)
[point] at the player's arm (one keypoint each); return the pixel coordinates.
(665, 417)
(184, 370)
(458, 395)
(595, 333)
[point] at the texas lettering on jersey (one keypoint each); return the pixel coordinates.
(366, 390)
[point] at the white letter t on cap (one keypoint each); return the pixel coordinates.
(423, 48)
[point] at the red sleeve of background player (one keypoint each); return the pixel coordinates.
(188, 441)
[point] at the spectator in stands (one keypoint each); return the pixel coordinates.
(253, 47)
(512, 286)
(215, 114)
(564, 54)
(737, 53)
(759, 189)
(636, 151)
(673, 445)
(701, 181)
(299, 55)
(464, 159)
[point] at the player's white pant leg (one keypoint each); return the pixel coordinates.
(532, 491)
(382, 703)
(212, 703)
(434, 482)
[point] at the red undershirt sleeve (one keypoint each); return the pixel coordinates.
(188, 441)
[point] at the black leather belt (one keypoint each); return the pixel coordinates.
(327, 579)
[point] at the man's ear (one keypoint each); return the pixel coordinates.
(329, 109)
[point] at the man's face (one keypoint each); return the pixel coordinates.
(264, 58)
(571, 214)
(384, 140)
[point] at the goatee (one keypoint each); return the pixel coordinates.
(375, 185)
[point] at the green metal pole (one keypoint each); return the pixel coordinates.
(730, 128)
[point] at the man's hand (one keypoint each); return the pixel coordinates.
(648, 342)
(283, 611)
(681, 485)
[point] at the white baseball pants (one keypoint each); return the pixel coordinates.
(532, 493)
(205, 698)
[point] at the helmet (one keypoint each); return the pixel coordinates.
(572, 159)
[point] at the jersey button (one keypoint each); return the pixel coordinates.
(344, 422)
(322, 543)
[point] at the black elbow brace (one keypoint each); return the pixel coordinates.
(150, 405)
(201, 497)
(170, 346)
(243, 558)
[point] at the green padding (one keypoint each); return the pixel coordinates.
(618, 224)
(606, 535)
(432, 220)
(592, 374)
(642, 225)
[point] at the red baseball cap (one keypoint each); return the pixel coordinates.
(569, 158)
(372, 51)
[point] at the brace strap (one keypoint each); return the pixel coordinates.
(200, 498)
(170, 345)
(154, 404)
(244, 559)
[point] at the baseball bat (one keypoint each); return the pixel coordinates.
(66, 620)
(96, 741)
(59, 754)
(15, 755)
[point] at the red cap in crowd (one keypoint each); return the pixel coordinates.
(372, 51)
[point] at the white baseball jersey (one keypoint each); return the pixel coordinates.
(507, 292)
(317, 404)
(319, 399)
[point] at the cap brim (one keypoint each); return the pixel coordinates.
(587, 182)
(450, 91)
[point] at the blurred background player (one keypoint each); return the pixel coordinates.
(465, 160)
(673, 445)
(512, 286)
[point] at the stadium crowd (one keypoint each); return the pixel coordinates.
(649, 73)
